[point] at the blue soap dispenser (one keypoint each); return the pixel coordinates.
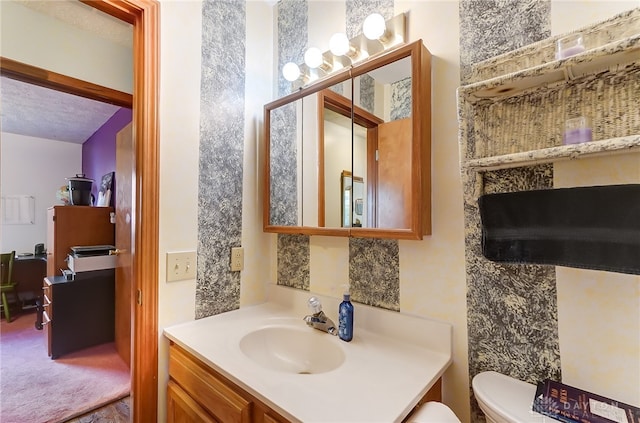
(345, 318)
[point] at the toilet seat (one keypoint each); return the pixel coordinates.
(505, 399)
(434, 412)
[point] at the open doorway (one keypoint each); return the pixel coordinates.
(143, 15)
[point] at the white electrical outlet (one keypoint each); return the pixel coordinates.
(237, 259)
(181, 265)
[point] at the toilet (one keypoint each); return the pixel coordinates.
(504, 399)
(433, 412)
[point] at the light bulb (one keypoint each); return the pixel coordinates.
(313, 57)
(339, 44)
(374, 26)
(291, 71)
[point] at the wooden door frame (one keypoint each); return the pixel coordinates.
(144, 16)
(342, 105)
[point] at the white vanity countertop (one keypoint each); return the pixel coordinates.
(392, 361)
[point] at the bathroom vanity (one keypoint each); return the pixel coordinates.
(263, 364)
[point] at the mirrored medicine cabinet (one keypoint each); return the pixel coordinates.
(350, 155)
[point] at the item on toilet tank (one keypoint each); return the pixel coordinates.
(561, 402)
(345, 318)
(577, 130)
(569, 46)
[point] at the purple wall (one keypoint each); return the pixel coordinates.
(99, 150)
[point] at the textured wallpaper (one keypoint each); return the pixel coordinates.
(491, 27)
(221, 153)
(293, 250)
(511, 310)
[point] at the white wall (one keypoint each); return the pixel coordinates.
(570, 15)
(43, 41)
(179, 118)
(36, 167)
(258, 92)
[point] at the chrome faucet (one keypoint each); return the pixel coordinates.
(319, 320)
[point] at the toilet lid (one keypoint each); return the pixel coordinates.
(432, 412)
(508, 397)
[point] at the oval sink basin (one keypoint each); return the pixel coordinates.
(292, 350)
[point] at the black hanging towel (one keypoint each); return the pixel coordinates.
(594, 227)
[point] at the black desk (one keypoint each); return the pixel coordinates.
(78, 313)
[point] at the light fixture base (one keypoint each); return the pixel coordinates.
(360, 48)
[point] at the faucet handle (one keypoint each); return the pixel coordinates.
(314, 305)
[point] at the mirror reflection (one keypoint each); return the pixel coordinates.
(371, 136)
(353, 193)
(385, 93)
(285, 141)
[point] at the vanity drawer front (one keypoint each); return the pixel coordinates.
(182, 408)
(207, 389)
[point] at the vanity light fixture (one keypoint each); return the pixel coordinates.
(313, 58)
(339, 44)
(345, 52)
(291, 72)
(374, 27)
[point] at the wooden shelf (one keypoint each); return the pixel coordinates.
(608, 57)
(553, 154)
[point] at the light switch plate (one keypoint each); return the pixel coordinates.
(181, 265)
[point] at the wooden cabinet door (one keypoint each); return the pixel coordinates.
(227, 402)
(181, 408)
(394, 175)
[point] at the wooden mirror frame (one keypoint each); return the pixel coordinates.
(420, 206)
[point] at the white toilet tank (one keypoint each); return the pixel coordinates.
(504, 399)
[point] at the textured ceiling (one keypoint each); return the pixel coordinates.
(35, 111)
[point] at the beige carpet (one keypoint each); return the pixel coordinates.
(36, 389)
